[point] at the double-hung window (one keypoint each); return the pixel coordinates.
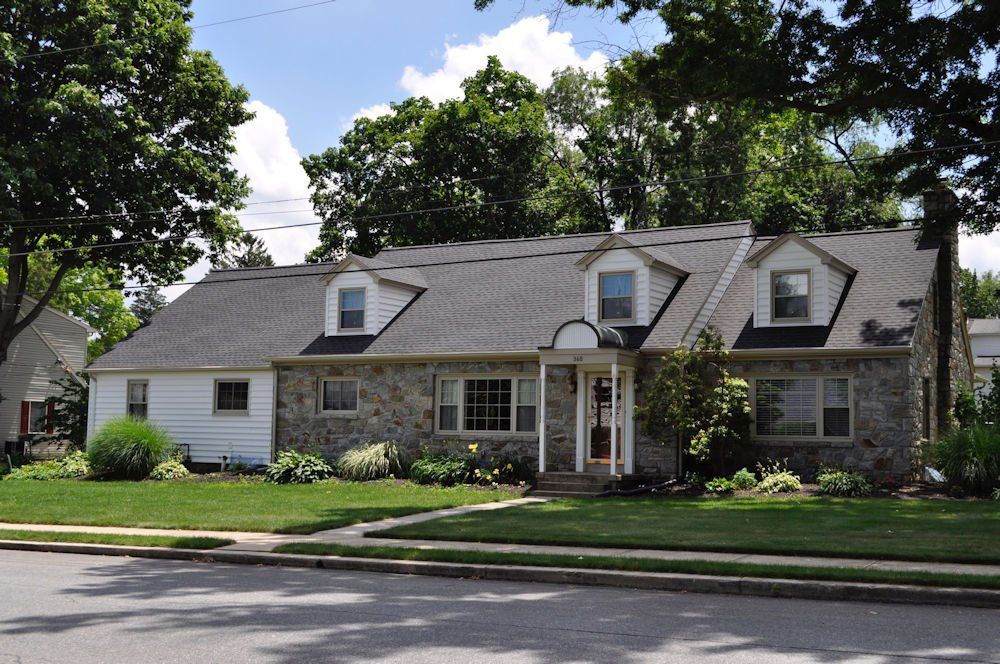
(790, 296)
(490, 404)
(338, 395)
(616, 295)
(351, 312)
(232, 397)
(35, 417)
(802, 407)
(137, 399)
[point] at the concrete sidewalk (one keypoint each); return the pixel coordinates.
(360, 535)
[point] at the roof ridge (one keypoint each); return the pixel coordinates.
(565, 236)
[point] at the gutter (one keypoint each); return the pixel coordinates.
(401, 357)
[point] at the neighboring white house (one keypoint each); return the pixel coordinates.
(51, 348)
(984, 334)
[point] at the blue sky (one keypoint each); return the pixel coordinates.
(310, 71)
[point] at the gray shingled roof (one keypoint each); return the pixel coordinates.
(512, 295)
(880, 307)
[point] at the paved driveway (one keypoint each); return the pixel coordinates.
(67, 608)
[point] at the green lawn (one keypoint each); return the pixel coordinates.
(933, 530)
(119, 540)
(646, 565)
(243, 506)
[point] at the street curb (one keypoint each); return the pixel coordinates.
(696, 583)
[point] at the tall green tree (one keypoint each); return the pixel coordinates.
(927, 70)
(622, 140)
(246, 250)
(980, 293)
(492, 145)
(147, 302)
(139, 128)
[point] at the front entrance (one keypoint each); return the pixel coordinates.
(599, 420)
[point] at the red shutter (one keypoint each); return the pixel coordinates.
(25, 416)
(50, 412)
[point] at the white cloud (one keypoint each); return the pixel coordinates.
(266, 156)
(373, 111)
(980, 252)
(526, 46)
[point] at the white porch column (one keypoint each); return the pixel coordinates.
(614, 418)
(541, 420)
(582, 403)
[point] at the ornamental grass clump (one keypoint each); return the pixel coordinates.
(298, 468)
(970, 458)
(128, 448)
(842, 483)
(374, 461)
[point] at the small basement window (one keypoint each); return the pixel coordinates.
(617, 292)
(790, 295)
(232, 396)
(138, 398)
(338, 395)
(351, 316)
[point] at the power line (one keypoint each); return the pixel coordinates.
(522, 199)
(490, 259)
(128, 40)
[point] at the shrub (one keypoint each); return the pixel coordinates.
(171, 469)
(297, 468)
(443, 469)
(842, 483)
(128, 447)
(694, 479)
(374, 461)
(72, 465)
(970, 458)
(776, 478)
(744, 479)
(503, 469)
(720, 485)
(966, 410)
(996, 494)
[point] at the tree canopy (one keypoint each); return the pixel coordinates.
(980, 293)
(125, 142)
(147, 302)
(245, 250)
(927, 70)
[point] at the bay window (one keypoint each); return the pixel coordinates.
(487, 404)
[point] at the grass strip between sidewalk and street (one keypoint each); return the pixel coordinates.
(167, 541)
(702, 567)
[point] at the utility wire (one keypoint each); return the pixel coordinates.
(128, 40)
(522, 199)
(490, 259)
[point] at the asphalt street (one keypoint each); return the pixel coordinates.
(70, 608)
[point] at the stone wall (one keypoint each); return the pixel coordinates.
(396, 402)
(884, 434)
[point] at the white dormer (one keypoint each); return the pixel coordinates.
(364, 294)
(626, 283)
(797, 283)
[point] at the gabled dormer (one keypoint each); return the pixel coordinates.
(797, 283)
(626, 283)
(364, 294)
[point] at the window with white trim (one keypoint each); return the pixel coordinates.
(232, 396)
(803, 407)
(487, 404)
(338, 395)
(38, 420)
(790, 293)
(137, 399)
(617, 293)
(351, 312)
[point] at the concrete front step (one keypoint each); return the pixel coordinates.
(563, 494)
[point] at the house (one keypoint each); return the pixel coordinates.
(984, 335)
(853, 345)
(52, 348)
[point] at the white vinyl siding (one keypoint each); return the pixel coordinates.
(661, 284)
(802, 407)
(383, 301)
(183, 403)
(826, 287)
(28, 376)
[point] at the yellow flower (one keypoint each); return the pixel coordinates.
(474, 447)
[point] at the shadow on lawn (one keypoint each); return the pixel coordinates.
(292, 615)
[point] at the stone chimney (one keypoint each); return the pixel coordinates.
(941, 221)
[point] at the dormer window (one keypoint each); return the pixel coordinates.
(790, 295)
(617, 297)
(352, 310)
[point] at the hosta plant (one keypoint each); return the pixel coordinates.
(297, 468)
